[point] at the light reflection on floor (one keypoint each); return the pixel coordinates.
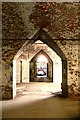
(36, 102)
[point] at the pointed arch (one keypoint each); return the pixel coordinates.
(46, 39)
(41, 52)
(45, 66)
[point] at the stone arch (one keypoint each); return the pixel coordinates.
(49, 67)
(45, 38)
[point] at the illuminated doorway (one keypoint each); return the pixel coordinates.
(46, 39)
(41, 66)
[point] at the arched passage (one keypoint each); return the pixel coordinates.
(46, 39)
(41, 66)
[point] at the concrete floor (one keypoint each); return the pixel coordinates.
(35, 87)
(41, 103)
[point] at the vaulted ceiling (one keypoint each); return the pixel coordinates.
(17, 27)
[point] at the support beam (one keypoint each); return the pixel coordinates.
(64, 79)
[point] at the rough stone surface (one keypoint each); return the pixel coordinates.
(28, 52)
(59, 18)
(16, 28)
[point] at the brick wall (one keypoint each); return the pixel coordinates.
(16, 27)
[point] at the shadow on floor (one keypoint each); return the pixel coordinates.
(33, 106)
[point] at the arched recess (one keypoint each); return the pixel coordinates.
(45, 38)
(41, 69)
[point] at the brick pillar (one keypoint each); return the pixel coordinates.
(6, 80)
(64, 86)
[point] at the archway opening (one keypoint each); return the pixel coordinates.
(62, 64)
(41, 68)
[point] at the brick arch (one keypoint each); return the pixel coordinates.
(45, 38)
(41, 52)
(33, 61)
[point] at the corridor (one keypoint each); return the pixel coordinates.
(40, 54)
(37, 88)
(39, 100)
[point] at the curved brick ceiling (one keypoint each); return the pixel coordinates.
(19, 19)
(13, 30)
(61, 20)
(16, 25)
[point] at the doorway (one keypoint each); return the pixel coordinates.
(46, 39)
(41, 68)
